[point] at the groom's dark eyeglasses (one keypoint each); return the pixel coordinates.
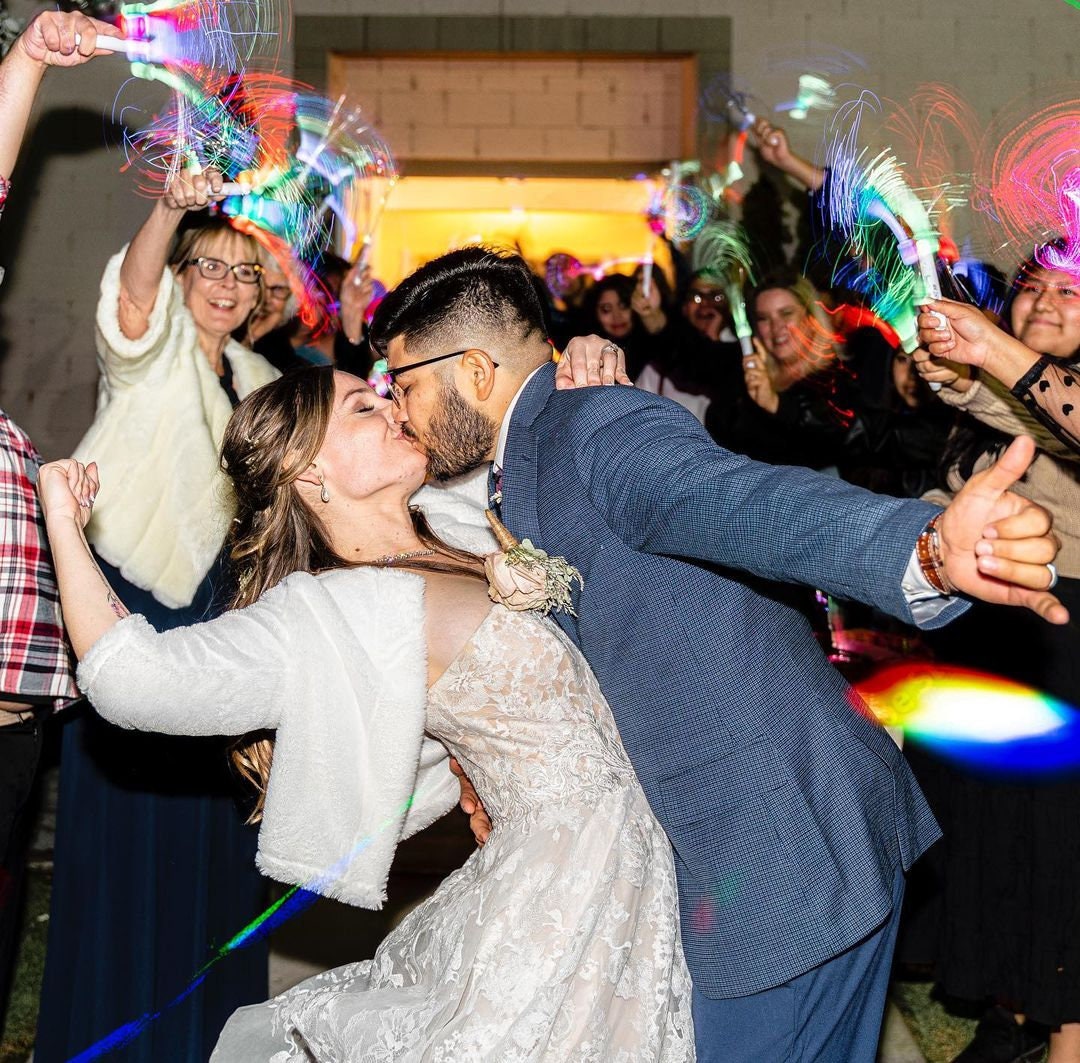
(382, 374)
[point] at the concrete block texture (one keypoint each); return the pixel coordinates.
(497, 96)
(477, 108)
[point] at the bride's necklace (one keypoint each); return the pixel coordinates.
(407, 555)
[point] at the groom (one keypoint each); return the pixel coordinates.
(793, 817)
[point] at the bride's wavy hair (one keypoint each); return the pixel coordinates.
(273, 437)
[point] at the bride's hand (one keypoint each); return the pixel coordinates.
(591, 360)
(471, 804)
(67, 488)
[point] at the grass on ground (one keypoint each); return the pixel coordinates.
(20, 1022)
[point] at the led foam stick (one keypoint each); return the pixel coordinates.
(723, 250)
(679, 208)
(297, 191)
(1028, 180)
(867, 197)
(738, 105)
(204, 37)
(815, 93)
(561, 269)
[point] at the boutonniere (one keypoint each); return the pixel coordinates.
(522, 577)
(495, 499)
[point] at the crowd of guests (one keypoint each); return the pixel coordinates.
(995, 909)
(194, 316)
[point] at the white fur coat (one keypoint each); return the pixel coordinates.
(336, 664)
(164, 505)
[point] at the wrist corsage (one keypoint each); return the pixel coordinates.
(523, 577)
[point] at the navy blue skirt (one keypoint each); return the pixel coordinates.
(154, 872)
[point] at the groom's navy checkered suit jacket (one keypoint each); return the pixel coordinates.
(789, 811)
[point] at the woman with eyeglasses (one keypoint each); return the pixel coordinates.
(694, 356)
(153, 859)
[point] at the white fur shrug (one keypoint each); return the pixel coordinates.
(164, 505)
(337, 665)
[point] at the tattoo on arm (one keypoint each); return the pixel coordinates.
(119, 609)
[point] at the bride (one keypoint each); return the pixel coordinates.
(357, 639)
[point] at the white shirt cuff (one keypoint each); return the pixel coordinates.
(923, 600)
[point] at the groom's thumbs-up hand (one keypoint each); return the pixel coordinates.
(998, 546)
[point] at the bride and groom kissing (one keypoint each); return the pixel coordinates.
(705, 770)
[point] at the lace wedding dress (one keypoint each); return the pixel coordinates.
(558, 940)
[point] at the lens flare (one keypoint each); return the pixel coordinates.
(978, 719)
(292, 903)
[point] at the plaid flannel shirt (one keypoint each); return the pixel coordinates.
(35, 661)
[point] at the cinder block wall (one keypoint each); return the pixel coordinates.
(72, 208)
(521, 110)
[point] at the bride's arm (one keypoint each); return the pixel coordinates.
(227, 676)
(67, 490)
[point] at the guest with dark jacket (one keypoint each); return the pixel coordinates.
(695, 355)
(799, 397)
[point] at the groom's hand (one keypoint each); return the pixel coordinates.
(996, 545)
(591, 360)
(471, 804)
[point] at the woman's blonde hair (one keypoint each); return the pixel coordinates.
(195, 239)
(822, 334)
(273, 437)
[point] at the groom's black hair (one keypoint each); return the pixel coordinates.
(474, 290)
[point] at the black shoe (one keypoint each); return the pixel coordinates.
(999, 1038)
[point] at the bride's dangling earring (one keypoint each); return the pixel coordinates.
(323, 494)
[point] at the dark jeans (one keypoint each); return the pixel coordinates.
(20, 749)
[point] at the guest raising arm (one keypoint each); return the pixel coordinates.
(1047, 382)
(774, 148)
(49, 40)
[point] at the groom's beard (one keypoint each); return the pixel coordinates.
(458, 438)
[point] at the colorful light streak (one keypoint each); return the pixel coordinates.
(977, 719)
(981, 721)
(561, 270)
(937, 134)
(680, 208)
(295, 164)
(815, 94)
(296, 900)
(204, 38)
(888, 229)
(1028, 179)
